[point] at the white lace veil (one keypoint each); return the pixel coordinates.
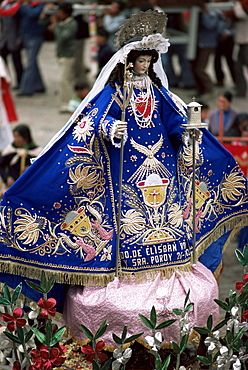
(156, 41)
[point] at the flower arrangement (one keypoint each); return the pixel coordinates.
(33, 342)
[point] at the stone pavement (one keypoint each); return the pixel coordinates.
(40, 112)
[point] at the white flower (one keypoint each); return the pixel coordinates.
(155, 342)
(35, 309)
(184, 324)
(121, 359)
(83, 129)
(213, 341)
(107, 254)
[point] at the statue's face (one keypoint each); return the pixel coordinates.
(142, 64)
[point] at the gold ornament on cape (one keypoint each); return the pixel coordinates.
(141, 24)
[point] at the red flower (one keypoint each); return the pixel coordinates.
(14, 320)
(16, 365)
(240, 284)
(48, 305)
(244, 316)
(44, 359)
(92, 354)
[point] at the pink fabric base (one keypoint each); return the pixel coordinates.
(120, 303)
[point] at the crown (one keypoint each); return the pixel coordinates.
(141, 24)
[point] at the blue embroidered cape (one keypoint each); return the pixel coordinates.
(61, 215)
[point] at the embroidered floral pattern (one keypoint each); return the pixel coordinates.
(29, 227)
(232, 186)
(83, 129)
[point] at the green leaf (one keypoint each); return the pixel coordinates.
(165, 324)
(183, 343)
(239, 334)
(158, 363)
(153, 316)
(43, 280)
(40, 336)
(28, 336)
(177, 311)
(124, 333)
(186, 299)
(4, 301)
(49, 332)
(188, 308)
(87, 332)
(95, 365)
(58, 335)
(210, 322)
(132, 338)
(116, 339)
(204, 360)
(146, 321)
(6, 293)
(176, 347)
(16, 293)
(101, 330)
(12, 337)
(201, 330)
(20, 334)
(223, 305)
(232, 298)
(245, 253)
(229, 337)
(50, 283)
(166, 363)
(107, 364)
(220, 325)
(34, 286)
(240, 257)
(237, 345)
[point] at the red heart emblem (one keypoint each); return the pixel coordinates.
(143, 106)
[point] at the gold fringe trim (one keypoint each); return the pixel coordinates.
(234, 225)
(91, 279)
(218, 270)
(102, 279)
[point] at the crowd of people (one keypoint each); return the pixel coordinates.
(25, 25)
(129, 117)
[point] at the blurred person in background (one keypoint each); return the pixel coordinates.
(224, 49)
(104, 50)
(32, 37)
(204, 111)
(113, 18)
(65, 27)
(81, 90)
(240, 127)
(177, 23)
(10, 40)
(7, 108)
(239, 14)
(15, 158)
(211, 26)
(81, 35)
(224, 115)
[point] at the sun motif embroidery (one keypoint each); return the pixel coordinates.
(83, 129)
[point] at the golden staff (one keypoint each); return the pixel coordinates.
(126, 99)
(194, 123)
